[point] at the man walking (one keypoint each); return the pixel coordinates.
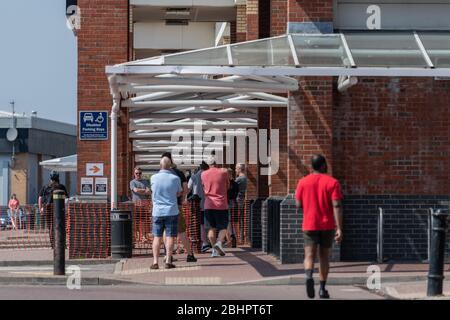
(215, 185)
(320, 197)
(165, 187)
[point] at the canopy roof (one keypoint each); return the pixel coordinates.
(64, 164)
(222, 87)
(347, 54)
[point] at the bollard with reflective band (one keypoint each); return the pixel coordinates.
(59, 231)
(436, 269)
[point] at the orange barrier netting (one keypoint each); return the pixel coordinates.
(142, 226)
(88, 227)
(25, 228)
(191, 210)
(88, 230)
(240, 220)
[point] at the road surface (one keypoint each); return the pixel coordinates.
(140, 292)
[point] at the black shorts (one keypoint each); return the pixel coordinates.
(322, 238)
(216, 219)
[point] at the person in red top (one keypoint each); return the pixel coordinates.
(320, 196)
(13, 206)
(215, 186)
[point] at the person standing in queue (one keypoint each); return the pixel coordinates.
(140, 188)
(233, 191)
(165, 188)
(215, 185)
(181, 219)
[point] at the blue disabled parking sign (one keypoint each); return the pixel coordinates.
(93, 125)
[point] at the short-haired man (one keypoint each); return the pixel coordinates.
(320, 197)
(140, 188)
(165, 187)
(181, 219)
(215, 185)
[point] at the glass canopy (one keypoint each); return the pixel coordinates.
(352, 49)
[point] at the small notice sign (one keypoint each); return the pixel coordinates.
(94, 169)
(101, 186)
(87, 186)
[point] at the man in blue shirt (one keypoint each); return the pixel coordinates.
(165, 188)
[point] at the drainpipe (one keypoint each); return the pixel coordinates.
(114, 116)
(346, 82)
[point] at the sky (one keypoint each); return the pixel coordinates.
(38, 59)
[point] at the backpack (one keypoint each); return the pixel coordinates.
(47, 198)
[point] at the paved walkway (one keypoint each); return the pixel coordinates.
(241, 266)
(411, 290)
(247, 266)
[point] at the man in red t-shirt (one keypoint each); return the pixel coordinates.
(215, 186)
(320, 197)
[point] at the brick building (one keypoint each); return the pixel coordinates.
(386, 137)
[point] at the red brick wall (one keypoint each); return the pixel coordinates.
(310, 10)
(278, 17)
(102, 40)
(278, 121)
(252, 19)
(241, 23)
(392, 136)
(311, 107)
(310, 126)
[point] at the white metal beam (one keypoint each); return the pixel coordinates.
(286, 71)
(195, 115)
(423, 50)
(293, 50)
(168, 134)
(347, 50)
(199, 103)
(191, 81)
(173, 126)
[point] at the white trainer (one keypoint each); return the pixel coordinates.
(219, 249)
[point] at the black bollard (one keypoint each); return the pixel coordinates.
(59, 231)
(436, 269)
